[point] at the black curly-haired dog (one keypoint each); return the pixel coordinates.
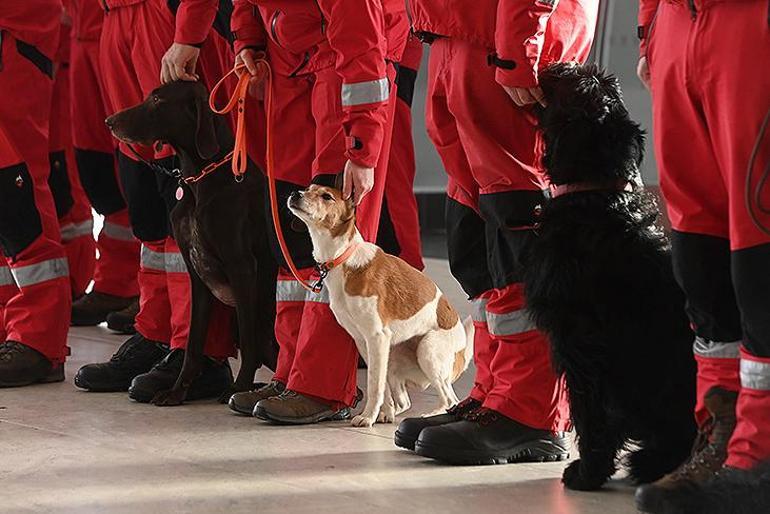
(599, 282)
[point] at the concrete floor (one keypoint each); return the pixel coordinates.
(64, 450)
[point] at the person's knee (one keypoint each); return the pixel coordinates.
(20, 222)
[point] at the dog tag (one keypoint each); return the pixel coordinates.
(179, 193)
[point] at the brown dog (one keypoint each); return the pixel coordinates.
(219, 225)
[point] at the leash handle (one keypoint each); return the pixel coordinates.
(240, 156)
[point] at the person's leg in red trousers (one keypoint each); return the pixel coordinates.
(115, 277)
(35, 314)
(74, 212)
(494, 187)
(702, 99)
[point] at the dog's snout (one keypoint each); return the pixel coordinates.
(109, 121)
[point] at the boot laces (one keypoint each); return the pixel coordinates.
(9, 349)
(483, 416)
(464, 408)
(706, 453)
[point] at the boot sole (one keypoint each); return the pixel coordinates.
(403, 441)
(531, 451)
(340, 415)
(54, 376)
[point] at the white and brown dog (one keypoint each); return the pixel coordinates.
(403, 325)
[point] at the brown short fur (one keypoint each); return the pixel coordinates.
(401, 290)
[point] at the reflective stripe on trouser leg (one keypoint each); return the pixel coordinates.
(154, 318)
(220, 342)
(290, 302)
(118, 263)
(327, 369)
(525, 388)
(484, 348)
(8, 290)
(717, 367)
(750, 443)
(38, 314)
(80, 247)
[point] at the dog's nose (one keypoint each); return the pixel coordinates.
(109, 121)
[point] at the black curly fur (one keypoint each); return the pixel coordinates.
(599, 282)
(733, 492)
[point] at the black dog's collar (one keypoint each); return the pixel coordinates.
(581, 187)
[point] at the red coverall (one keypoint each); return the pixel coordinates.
(118, 263)
(490, 148)
(35, 297)
(135, 35)
(711, 95)
(399, 232)
(76, 222)
(331, 79)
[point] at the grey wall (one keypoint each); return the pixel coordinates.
(619, 53)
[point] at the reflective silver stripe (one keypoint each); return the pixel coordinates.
(322, 297)
(6, 278)
(117, 232)
(152, 260)
(511, 323)
(715, 350)
(26, 276)
(479, 310)
(362, 93)
(175, 263)
(71, 231)
(289, 291)
(755, 375)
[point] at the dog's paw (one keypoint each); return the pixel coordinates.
(169, 398)
(386, 417)
(575, 478)
(362, 421)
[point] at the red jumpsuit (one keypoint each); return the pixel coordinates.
(491, 149)
(331, 79)
(35, 296)
(711, 95)
(76, 222)
(135, 36)
(118, 263)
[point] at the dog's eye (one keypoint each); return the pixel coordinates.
(155, 99)
(327, 197)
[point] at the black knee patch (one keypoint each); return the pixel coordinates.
(97, 175)
(467, 247)
(510, 219)
(751, 276)
(147, 210)
(386, 232)
(294, 231)
(59, 183)
(20, 221)
(702, 268)
(405, 80)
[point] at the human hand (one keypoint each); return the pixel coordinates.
(179, 63)
(523, 96)
(358, 181)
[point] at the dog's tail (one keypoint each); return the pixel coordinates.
(464, 356)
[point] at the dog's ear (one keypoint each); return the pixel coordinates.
(205, 133)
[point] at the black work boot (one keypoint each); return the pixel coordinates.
(708, 456)
(136, 356)
(409, 429)
(21, 365)
(487, 437)
(215, 378)
(122, 321)
(93, 308)
(245, 402)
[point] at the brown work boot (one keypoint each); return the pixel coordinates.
(21, 365)
(244, 403)
(122, 321)
(708, 456)
(93, 308)
(292, 408)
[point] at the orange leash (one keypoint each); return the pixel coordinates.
(239, 154)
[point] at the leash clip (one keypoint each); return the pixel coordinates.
(238, 178)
